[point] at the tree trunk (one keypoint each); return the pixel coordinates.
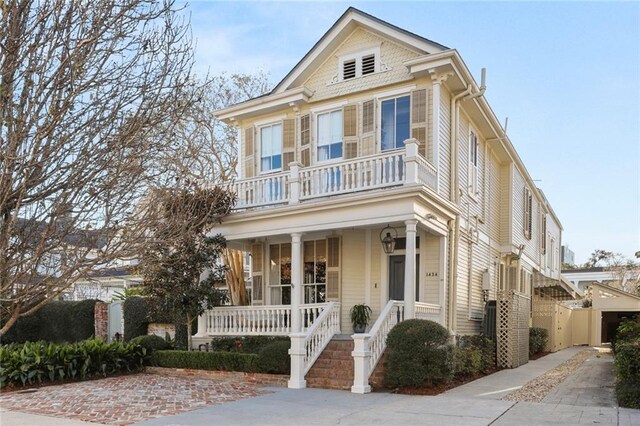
(189, 320)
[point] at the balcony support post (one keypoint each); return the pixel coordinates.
(411, 161)
(294, 182)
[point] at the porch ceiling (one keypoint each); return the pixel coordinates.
(394, 207)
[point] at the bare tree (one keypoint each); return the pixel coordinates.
(88, 95)
(625, 273)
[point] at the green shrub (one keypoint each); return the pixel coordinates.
(274, 358)
(28, 363)
(57, 321)
(246, 344)
(226, 361)
(627, 367)
(135, 313)
(467, 361)
(151, 343)
(417, 353)
(627, 331)
(485, 345)
(538, 338)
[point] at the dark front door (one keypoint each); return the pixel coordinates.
(396, 277)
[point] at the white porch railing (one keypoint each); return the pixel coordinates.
(358, 174)
(386, 169)
(262, 190)
(428, 311)
(307, 346)
(272, 320)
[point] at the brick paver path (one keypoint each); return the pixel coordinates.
(128, 399)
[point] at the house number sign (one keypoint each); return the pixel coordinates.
(432, 274)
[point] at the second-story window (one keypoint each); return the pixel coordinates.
(330, 135)
(395, 122)
(271, 147)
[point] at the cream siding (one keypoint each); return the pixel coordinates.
(444, 163)
(506, 190)
(324, 82)
(494, 218)
(430, 259)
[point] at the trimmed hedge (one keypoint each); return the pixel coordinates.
(274, 358)
(226, 361)
(29, 363)
(486, 347)
(245, 344)
(135, 313)
(627, 331)
(627, 366)
(538, 338)
(57, 321)
(418, 354)
(152, 343)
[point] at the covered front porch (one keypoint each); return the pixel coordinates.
(308, 265)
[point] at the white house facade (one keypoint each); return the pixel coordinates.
(378, 136)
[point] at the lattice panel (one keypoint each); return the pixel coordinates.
(512, 323)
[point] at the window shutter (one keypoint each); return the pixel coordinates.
(257, 262)
(368, 135)
(305, 139)
(419, 119)
(527, 212)
(249, 157)
(350, 131)
(288, 142)
(513, 278)
(543, 235)
(333, 269)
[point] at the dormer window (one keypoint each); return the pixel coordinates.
(359, 64)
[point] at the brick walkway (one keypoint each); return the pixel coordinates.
(128, 399)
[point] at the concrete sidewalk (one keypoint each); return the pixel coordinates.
(502, 383)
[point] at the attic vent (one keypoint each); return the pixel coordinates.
(349, 69)
(368, 64)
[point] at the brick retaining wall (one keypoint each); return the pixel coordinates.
(101, 320)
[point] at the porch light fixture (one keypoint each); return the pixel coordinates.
(388, 241)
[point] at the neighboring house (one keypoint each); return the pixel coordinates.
(612, 276)
(103, 284)
(378, 139)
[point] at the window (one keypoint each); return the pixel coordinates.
(528, 212)
(473, 164)
(330, 135)
(543, 235)
(359, 64)
(280, 273)
(315, 271)
(395, 122)
(271, 147)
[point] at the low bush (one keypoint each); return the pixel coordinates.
(485, 345)
(538, 338)
(627, 331)
(57, 322)
(418, 354)
(467, 361)
(28, 363)
(226, 361)
(274, 358)
(152, 343)
(135, 313)
(247, 344)
(627, 367)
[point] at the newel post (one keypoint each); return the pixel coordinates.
(294, 182)
(361, 355)
(297, 352)
(411, 161)
(202, 325)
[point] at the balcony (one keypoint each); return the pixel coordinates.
(388, 169)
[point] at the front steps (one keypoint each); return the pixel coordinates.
(334, 368)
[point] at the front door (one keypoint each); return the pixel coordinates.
(396, 277)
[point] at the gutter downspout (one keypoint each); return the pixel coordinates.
(455, 196)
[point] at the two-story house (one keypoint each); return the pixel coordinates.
(376, 172)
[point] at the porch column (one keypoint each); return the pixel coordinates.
(202, 325)
(296, 282)
(298, 351)
(410, 270)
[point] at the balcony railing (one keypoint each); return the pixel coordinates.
(387, 169)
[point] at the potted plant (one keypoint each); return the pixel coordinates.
(360, 316)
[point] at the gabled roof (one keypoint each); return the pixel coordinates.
(351, 18)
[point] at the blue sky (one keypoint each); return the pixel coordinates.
(566, 74)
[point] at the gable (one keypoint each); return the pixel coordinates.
(325, 81)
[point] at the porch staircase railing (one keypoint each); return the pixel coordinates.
(307, 346)
(369, 347)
